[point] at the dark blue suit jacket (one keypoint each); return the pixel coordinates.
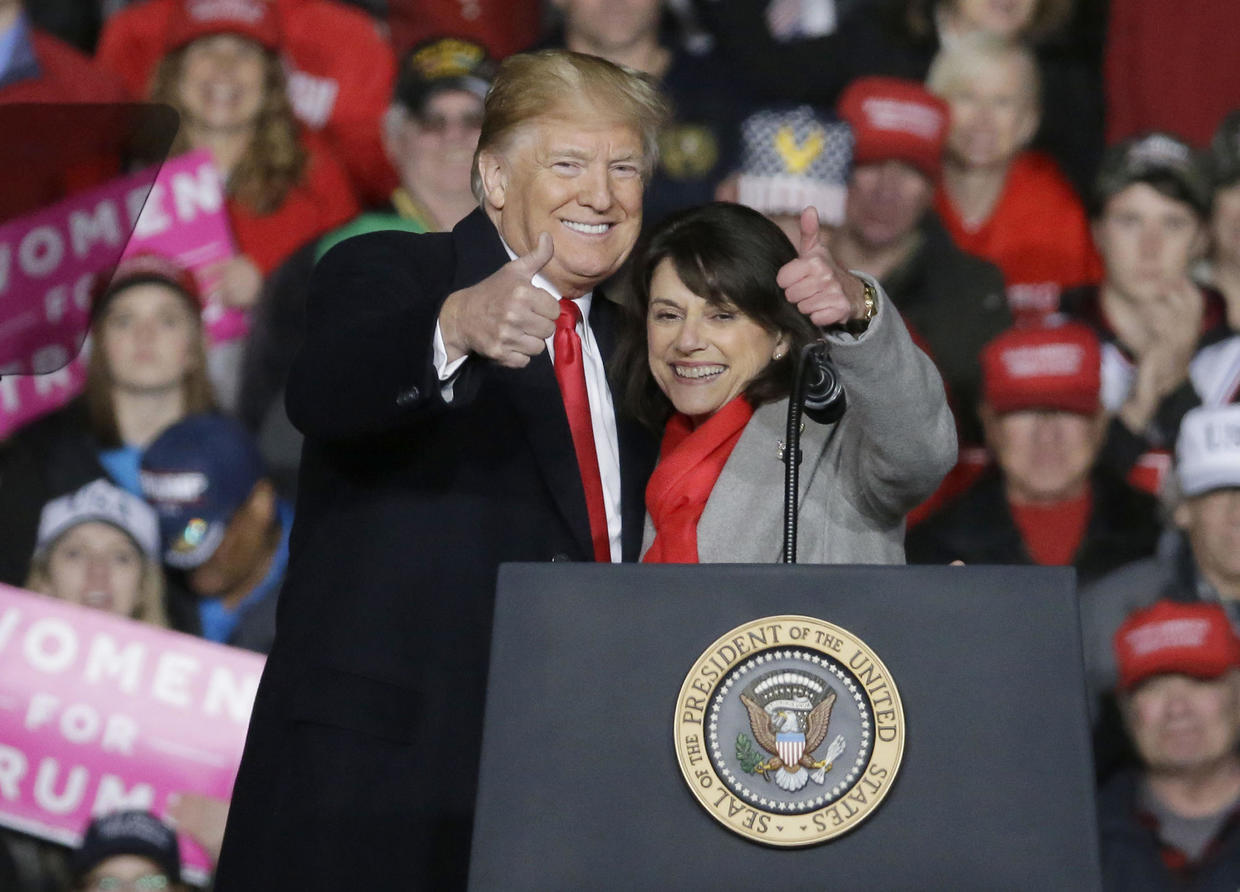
(361, 762)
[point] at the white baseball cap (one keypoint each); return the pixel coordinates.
(1207, 453)
(99, 500)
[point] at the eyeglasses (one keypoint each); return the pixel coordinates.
(151, 882)
(439, 124)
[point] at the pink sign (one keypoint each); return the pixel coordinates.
(50, 261)
(99, 712)
(25, 397)
(185, 218)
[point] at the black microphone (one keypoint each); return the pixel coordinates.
(818, 393)
(825, 400)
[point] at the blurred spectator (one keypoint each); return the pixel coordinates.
(38, 67)
(430, 133)
(223, 526)
(504, 27)
(1190, 88)
(1224, 266)
(899, 38)
(1174, 822)
(791, 159)
(223, 74)
(1202, 564)
(999, 201)
(698, 147)
(1167, 346)
(127, 850)
(1047, 502)
(99, 547)
(953, 300)
(339, 71)
(146, 370)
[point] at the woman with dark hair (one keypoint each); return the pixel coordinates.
(146, 370)
(713, 332)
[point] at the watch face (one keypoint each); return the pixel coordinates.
(871, 301)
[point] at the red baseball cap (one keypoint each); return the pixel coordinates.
(192, 19)
(1043, 367)
(147, 267)
(1170, 637)
(896, 120)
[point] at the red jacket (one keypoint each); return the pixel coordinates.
(341, 75)
(321, 201)
(1038, 235)
(65, 75)
(38, 165)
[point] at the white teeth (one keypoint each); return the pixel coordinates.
(588, 228)
(699, 371)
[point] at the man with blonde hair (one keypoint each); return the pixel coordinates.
(456, 412)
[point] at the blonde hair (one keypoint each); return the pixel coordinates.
(275, 159)
(963, 60)
(196, 390)
(148, 606)
(557, 83)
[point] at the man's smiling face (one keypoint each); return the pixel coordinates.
(581, 184)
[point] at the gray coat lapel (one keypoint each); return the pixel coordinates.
(743, 520)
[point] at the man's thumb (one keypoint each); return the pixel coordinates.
(534, 261)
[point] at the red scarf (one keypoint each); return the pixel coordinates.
(690, 461)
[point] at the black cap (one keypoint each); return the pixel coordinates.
(1151, 157)
(128, 833)
(444, 63)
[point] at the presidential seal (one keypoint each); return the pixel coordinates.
(789, 730)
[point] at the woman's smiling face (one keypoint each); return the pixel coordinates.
(702, 355)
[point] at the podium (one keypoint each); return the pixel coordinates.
(580, 786)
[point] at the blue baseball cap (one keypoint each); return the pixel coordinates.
(196, 474)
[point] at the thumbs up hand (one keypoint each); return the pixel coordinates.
(816, 284)
(504, 317)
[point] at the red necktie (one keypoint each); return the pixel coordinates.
(570, 372)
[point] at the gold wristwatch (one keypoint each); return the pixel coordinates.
(857, 326)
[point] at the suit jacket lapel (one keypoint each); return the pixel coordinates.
(535, 397)
(533, 392)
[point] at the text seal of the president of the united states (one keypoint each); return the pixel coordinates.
(789, 730)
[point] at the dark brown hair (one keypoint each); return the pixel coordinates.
(729, 255)
(198, 394)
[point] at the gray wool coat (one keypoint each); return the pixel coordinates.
(859, 477)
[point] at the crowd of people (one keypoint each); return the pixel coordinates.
(1023, 253)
